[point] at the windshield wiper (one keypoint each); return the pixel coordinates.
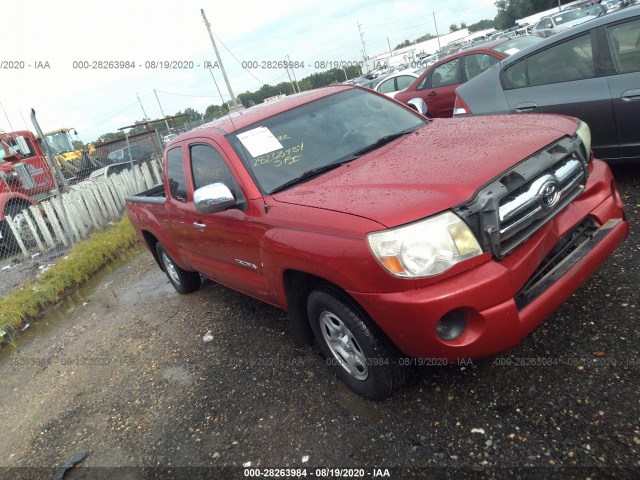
(380, 142)
(330, 166)
(310, 174)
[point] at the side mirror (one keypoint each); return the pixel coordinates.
(419, 105)
(213, 198)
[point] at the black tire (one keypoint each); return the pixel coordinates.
(183, 281)
(9, 243)
(364, 358)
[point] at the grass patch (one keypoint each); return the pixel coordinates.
(84, 259)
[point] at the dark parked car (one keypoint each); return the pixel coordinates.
(437, 85)
(591, 72)
(122, 155)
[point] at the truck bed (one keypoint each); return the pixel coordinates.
(153, 195)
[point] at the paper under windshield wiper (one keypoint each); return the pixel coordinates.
(310, 173)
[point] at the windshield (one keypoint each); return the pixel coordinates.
(323, 132)
(59, 142)
(516, 44)
(568, 16)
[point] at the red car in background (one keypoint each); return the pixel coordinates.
(437, 85)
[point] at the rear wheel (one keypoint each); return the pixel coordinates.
(9, 243)
(183, 281)
(360, 355)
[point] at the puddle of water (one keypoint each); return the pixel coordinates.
(357, 405)
(178, 374)
(52, 316)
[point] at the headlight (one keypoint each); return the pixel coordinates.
(584, 134)
(425, 248)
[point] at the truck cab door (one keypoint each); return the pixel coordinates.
(175, 218)
(224, 246)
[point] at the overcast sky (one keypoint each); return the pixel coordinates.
(100, 101)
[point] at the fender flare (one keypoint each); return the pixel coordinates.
(6, 198)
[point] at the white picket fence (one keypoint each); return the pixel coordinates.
(88, 206)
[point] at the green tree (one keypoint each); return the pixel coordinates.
(511, 10)
(406, 43)
(107, 137)
(424, 38)
(463, 25)
(215, 111)
(192, 115)
(481, 25)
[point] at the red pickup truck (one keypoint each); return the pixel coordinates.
(384, 235)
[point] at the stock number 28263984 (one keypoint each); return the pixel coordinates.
(271, 64)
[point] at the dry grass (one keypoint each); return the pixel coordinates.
(81, 263)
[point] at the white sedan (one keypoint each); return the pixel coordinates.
(398, 81)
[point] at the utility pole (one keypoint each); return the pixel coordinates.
(215, 48)
(364, 50)
(389, 43)
(293, 88)
(437, 34)
(294, 74)
(162, 112)
(143, 112)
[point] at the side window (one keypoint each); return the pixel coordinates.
(547, 23)
(515, 76)
(208, 166)
(387, 86)
(564, 62)
(404, 81)
(175, 174)
(425, 82)
(445, 74)
(474, 65)
(624, 40)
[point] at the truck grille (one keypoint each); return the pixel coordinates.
(507, 211)
(530, 206)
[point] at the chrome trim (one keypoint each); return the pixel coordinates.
(543, 197)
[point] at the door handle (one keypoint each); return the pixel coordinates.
(526, 107)
(631, 95)
(199, 226)
(432, 94)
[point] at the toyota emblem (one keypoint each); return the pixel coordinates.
(549, 194)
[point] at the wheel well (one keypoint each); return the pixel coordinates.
(14, 202)
(298, 285)
(19, 202)
(151, 243)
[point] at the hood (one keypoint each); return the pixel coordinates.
(438, 167)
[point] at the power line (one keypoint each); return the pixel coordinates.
(239, 62)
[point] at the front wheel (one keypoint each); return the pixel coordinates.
(183, 281)
(9, 243)
(360, 355)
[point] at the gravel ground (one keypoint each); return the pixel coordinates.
(120, 371)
